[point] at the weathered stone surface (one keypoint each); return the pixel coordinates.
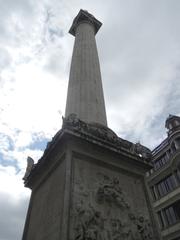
(44, 217)
(85, 94)
(107, 184)
(105, 135)
(108, 204)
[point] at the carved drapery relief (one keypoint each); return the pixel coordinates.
(103, 213)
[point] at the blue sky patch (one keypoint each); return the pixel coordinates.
(38, 144)
(9, 162)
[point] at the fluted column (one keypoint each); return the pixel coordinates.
(85, 93)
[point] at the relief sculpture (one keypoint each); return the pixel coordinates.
(141, 228)
(92, 221)
(89, 224)
(111, 193)
(119, 230)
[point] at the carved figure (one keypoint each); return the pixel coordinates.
(71, 121)
(89, 224)
(144, 228)
(141, 228)
(30, 166)
(120, 230)
(111, 192)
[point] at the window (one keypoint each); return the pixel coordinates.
(166, 185)
(177, 209)
(160, 219)
(161, 189)
(177, 142)
(177, 174)
(157, 165)
(172, 213)
(160, 162)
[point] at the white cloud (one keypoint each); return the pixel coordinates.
(12, 218)
(13, 203)
(12, 183)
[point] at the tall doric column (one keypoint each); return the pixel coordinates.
(85, 93)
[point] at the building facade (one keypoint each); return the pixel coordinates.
(164, 181)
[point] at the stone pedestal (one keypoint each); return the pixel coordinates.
(89, 185)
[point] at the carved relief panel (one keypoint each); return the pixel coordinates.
(107, 205)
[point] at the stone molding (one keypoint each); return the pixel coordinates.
(85, 16)
(95, 133)
(106, 135)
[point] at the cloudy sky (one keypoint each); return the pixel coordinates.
(139, 51)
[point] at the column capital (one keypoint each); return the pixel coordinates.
(84, 16)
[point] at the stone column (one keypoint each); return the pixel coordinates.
(85, 93)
